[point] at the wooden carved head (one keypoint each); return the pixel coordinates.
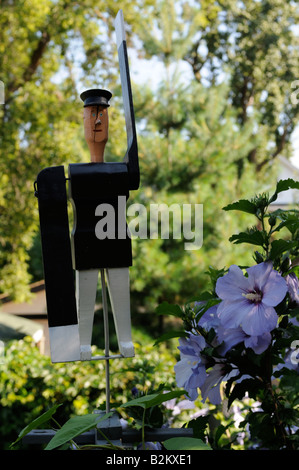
(96, 121)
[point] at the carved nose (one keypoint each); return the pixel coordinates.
(98, 121)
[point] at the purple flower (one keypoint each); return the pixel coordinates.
(211, 387)
(178, 407)
(290, 360)
(260, 343)
(293, 286)
(249, 301)
(190, 370)
(209, 319)
(229, 337)
(232, 336)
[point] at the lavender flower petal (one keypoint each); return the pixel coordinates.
(232, 285)
(248, 302)
(293, 287)
(258, 275)
(260, 319)
(190, 370)
(229, 337)
(183, 369)
(274, 291)
(232, 313)
(210, 318)
(259, 344)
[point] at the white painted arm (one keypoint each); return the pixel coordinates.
(86, 290)
(119, 291)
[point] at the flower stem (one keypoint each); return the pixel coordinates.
(279, 426)
(143, 429)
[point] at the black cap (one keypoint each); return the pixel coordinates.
(96, 97)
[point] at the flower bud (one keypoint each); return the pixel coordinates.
(272, 220)
(258, 257)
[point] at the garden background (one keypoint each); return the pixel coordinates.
(215, 109)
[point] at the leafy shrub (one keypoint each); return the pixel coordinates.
(30, 384)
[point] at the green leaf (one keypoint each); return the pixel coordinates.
(214, 274)
(252, 386)
(169, 309)
(185, 443)
(284, 185)
(199, 426)
(255, 237)
(295, 269)
(242, 205)
(74, 427)
(221, 429)
(280, 246)
(44, 418)
(290, 220)
(153, 399)
(171, 334)
(201, 297)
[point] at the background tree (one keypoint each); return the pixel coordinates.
(49, 51)
(256, 45)
(199, 140)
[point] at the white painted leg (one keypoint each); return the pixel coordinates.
(86, 289)
(64, 343)
(119, 291)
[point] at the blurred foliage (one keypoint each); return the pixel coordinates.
(30, 384)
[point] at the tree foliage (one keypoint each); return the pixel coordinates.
(46, 46)
(203, 131)
(256, 44)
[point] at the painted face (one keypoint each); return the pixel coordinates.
(95, 124)
(96, 130)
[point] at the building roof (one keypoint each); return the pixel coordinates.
(36, 307)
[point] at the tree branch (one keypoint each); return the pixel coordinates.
(36, 56)
(282, 141)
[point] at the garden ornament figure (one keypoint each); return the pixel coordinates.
(91, 187)
(96, 122)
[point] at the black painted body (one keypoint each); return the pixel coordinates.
(56, 247)
(90, 185)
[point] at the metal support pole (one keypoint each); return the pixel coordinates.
(106, 333)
